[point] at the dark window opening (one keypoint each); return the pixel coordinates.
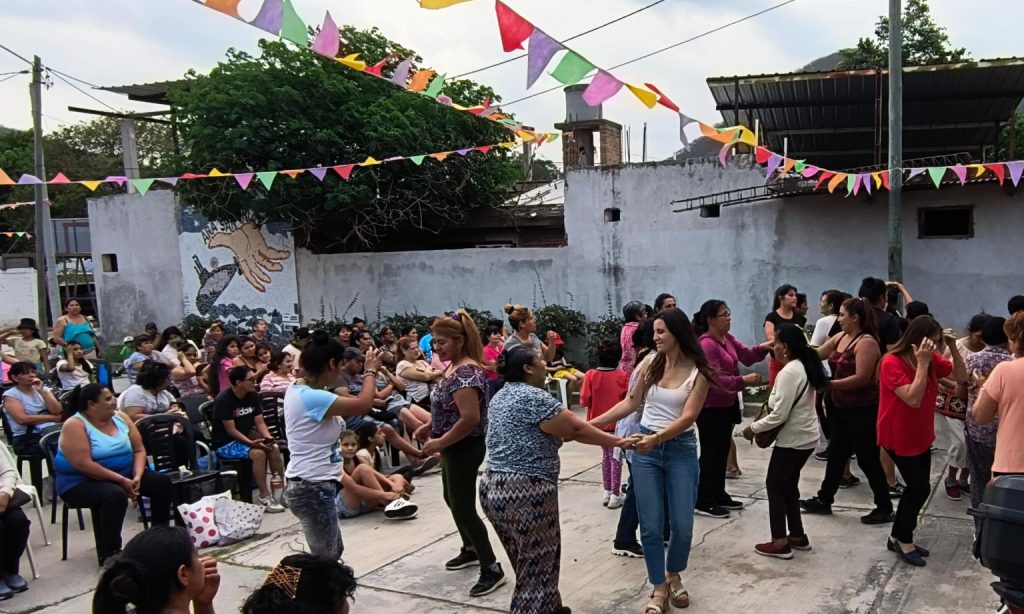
(612, 215)
(109, 263)
(945, 223)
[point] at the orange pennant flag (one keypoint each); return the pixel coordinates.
(526, 136)
(835, 181)
(228, 7)
(420, 80)
(92, 185)
(706, 130)
(647, 97)
(5, 179)
(293, 173)
(788, 165)
(440, 156)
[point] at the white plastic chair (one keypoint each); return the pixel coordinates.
(36, 503)
(559, 388)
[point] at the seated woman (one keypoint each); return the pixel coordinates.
(364, 490)
(416, 373)
(304, 583)
(389, 398)
(371, 438)
(186, 375)
(14, 529)
(101, 463)
(248, 357)
(148, 395)
(74, 370)
(280, 374)
(31, 408)
(159, 571)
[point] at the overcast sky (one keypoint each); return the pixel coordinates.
(116, 42)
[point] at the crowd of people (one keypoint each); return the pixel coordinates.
(866, 381)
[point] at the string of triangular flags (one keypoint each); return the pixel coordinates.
(574, 68)
(439, 4)
(279, 17)
(18, 234)
(244, 178)
(21, 204)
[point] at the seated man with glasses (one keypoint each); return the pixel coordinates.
(239, 432)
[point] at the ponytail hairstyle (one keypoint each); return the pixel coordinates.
(512, 363)
(865, 314)
(146, 574)
(678, 326)
(707, 311)
(517, 314)
(303, 583)
(322, 348)
(80, 397)
(796, 342)
(459, 325)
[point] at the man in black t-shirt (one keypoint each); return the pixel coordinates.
(239, 432)
(872, 290)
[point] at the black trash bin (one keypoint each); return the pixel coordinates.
(1000, 541)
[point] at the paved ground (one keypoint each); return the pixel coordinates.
(400, 565)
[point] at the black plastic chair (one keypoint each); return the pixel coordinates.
(35, 461)
(275, 422)
(241, 466)
(158, 435)
(49, 446)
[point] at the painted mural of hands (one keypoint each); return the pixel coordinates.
(255, 258)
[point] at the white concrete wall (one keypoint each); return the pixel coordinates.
(18, 289)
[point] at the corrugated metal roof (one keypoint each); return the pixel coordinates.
(155, 92)
(838, 119)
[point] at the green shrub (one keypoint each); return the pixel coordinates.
(566, 321)
(194, 328)
(398, 321)
(608, 327)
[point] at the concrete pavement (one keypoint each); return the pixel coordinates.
(400, 564)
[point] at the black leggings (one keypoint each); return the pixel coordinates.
(854, 431)
(916, 470)
(782, 483)
(14, 528)
(714, 426)
(109, 503)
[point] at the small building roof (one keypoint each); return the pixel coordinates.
(838, 119)
(155, 92)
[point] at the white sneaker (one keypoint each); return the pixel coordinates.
(401, 509)
(606, 497)
(616, 501)
(270, 506)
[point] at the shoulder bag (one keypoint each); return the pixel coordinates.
(767, 438)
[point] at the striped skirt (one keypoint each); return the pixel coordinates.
(524, 513)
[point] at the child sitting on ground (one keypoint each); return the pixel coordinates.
(371, 438)
(363, 489)
(603, 388)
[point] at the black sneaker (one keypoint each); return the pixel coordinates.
(848, 482)
(822, 456)
(633, 551)
(731, 504)
(815, 506)
(490, 581)
(896, 490)
(877, 517)
(712, 511)
(466, 558)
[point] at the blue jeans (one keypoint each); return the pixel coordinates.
(671, 471)
(629, 519)
(314, 504)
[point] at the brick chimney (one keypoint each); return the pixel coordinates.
(582, 122)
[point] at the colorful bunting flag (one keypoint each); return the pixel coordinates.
(417, 160)
(648, 98)
(514, 29)
(376, 69)
(27, 179)
(401, 74)
(142, 185)
(572, 69)
(961, 173)
(914, 172)
(270, 17)
(663, 100)
(541, 49)
(435, 87)
(773, 164)
(228, 7)
(835, 181)
(601, 88)
(59, 178)
(1016, 168)
(353, 62)
(936, 173)
(822, 177)
(852, 184)
(420, 80)
(318, 172)
(684, 121)
(244, 179)
(439, 4)
(885, 179)
(328, 39)
(92, 185)
(809, 171)
(998, 170)
(369, 161)
(292, 26)
(788, 165)
(267, 178)
(5, 179)
(344, 171)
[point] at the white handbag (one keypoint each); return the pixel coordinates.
(236, 520)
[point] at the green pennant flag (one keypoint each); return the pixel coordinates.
(292, 26)
(142, 185)
(417, 160)
(850, 180)
(267, 177)
(20, 234)
(800, 166)
(435, 87)
(936, 173)
(572, 69)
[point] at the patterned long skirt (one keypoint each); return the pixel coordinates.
(524, 513)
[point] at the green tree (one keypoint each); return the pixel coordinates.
(542, 170)
(292, 109)
(924, 42)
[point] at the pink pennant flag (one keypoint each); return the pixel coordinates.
(244, 179)
(601, 88)
(118, 179)
(328, 40)
(484, 148)
(59, 178)
(773, 164)
(866, 178)
(318, 172)
(344, 171)
(724, 152)
(961, 173)
(856, 184)
(810, 171)
(1016, 168)
(914, 172)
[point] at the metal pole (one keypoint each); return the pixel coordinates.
(46, 267)
(895, 141)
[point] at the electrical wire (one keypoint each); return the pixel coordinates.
(61, 77)
(17, 55)
(73, 78)
(8, 78)
(664, 49)
(574, 37)
(14, 72)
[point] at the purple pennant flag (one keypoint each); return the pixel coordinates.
(463, 152)
(171, 181)
(542, 49)
(270, 16)
(961, 173)
(318, 172)
(1016, 168)
(773, 164)
(914, 172)
(244, 179)
(867, 182)
(27, 179)
(684, 121)
(401, 74)
(601, 88)
(723, 154)
(810, 171)
(328, 40)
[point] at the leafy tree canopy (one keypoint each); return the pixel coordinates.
(288, 108)
(924, 42)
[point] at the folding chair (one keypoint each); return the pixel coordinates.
(49, 445)
(36, 503)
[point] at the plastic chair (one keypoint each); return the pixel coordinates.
(35, 461)
(275, 423)
(559, 388)
(49, 445)
(36, 503)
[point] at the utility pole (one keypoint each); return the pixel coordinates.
(46, 266)
(895, 142)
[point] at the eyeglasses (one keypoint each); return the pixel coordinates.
(250, 380)
(727, 314)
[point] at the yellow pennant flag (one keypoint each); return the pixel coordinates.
(369, 161)
(980, 168)
(217, 173)
(647, 97)
(353, 62)
(92, 185)
(508, 144)
(526, 136)
(878, 179)
(439, 4)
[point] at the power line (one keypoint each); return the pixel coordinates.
(12, 76)
(17, 55)
(574, 37)
(14, 72)
(61, 77)
(664, 49)
(82, 81)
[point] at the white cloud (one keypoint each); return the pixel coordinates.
(114, 42)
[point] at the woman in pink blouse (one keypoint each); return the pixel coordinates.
(634, 313)
(280, 374)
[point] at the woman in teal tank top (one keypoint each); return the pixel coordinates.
(73, 326)
(101, 463)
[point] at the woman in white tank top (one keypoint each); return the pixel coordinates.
(671, 388)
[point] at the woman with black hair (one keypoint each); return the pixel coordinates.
(304, 583)
(158, 572)
(792, 413)
(525, 428)
(671, 389)
(662, 302)
(101, 463)
(783, 312)
(228, 349)
(722, 409)
(634, 313)
(314, 419)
